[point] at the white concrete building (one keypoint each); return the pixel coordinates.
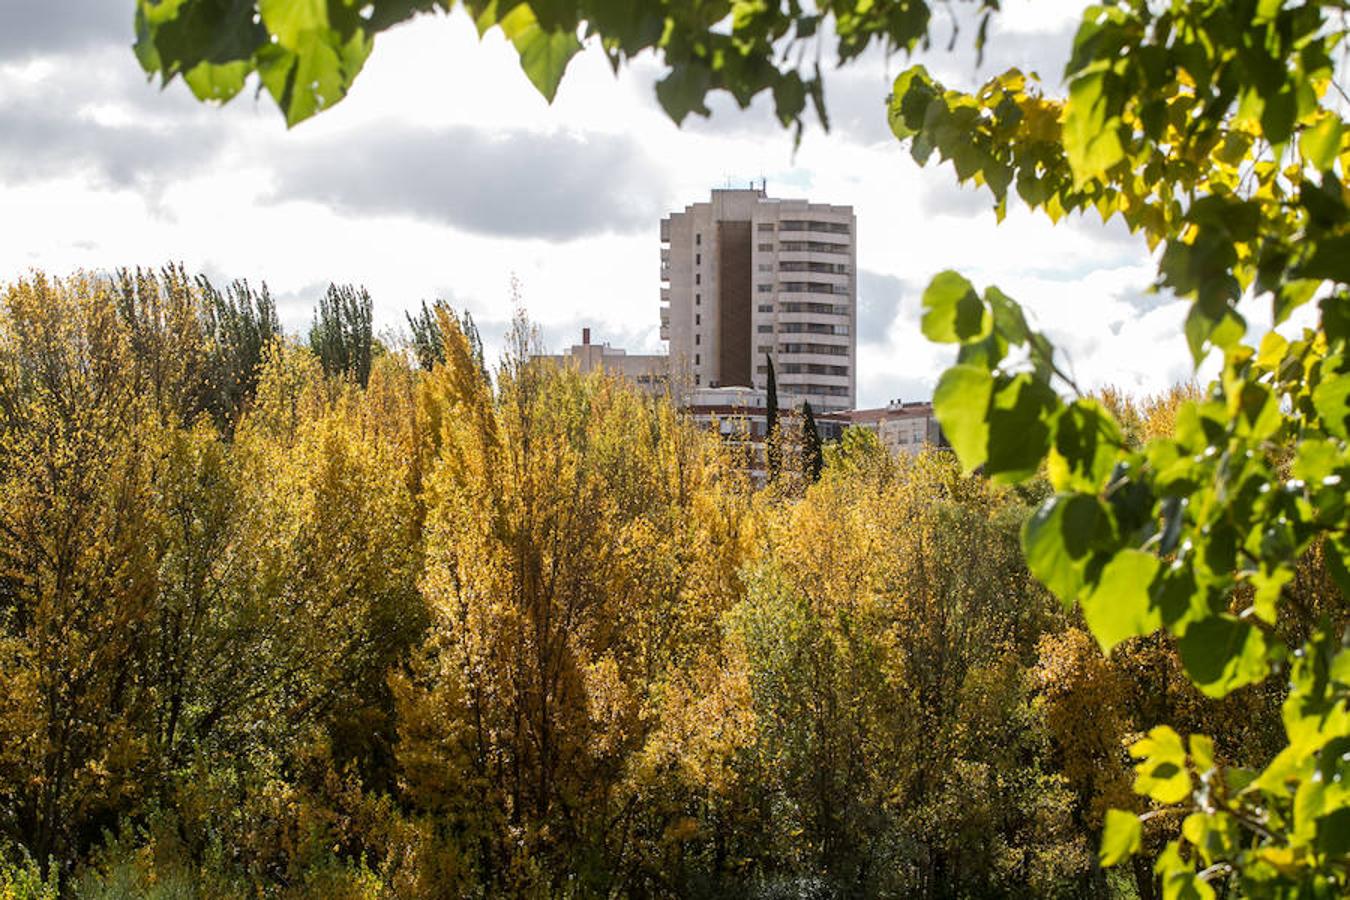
(902, 427)
(651, 372)
(745, 276)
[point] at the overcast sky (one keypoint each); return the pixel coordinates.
(444, 173)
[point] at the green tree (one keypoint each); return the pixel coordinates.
(341, 335)
(813, 450)
(239, 324)
(428, 343)
(773, 449)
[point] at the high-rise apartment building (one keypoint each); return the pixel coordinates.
(745, 276)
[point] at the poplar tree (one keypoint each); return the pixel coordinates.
(341, 336)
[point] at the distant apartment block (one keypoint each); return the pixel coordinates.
(745, 277)
(740, 416)
(650, 372)
(902, 427)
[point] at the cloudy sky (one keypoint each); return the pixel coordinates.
(444, 174)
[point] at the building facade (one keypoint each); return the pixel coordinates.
(650, 372)
(745, 277)
(902, 427)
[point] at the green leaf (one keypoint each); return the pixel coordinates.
(1122, 837)
(1019, 427)
(1278, 115)
(1008, 318)
(952, 310)
(287, 20)
(683, 91)
(1316, 459)
(544, 55)
(1179, 881)
(217, 82)
(1321, 144)
(1161, 773)
(961, 404)
(1057, 537)
(1119, 607)
(1330, 259)
(1091, 129)
(910, 95)
(1203, 330)
(177, 35)
(1331, 399)
(1087, 441)
(1223, 653)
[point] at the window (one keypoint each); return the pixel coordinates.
(698, 360)
(698, 299)
(765, 329)
(766, 307)
(813, 247)
(698, 259)
(822, 349)
(698, 339)
(814, 369)
(813, 328)
(827, 309)
(698, 379)
(766, 248)
(698, 278)
(766, 226)
(831, 268)
(764, 288)
(766, 267)
(814, 287)
(813, 225)
(698, 239)
(698, 318)
(764, 349)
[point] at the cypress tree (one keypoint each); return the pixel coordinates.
(771, 449)
(813, 453)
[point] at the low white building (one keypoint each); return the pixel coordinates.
(650, 372)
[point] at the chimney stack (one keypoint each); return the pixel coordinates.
(585, 337)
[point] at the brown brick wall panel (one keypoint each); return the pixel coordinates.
(735, 298)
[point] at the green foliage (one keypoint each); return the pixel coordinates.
(428, 340)
(1199, 534)
(813, 452)
(427, 344)
(341, 336)
(24, 879)
(773, 433)
(1201, 125)
(1121, 838)
(239, 324)
(307, 53)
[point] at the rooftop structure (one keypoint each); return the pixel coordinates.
(651, 372)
